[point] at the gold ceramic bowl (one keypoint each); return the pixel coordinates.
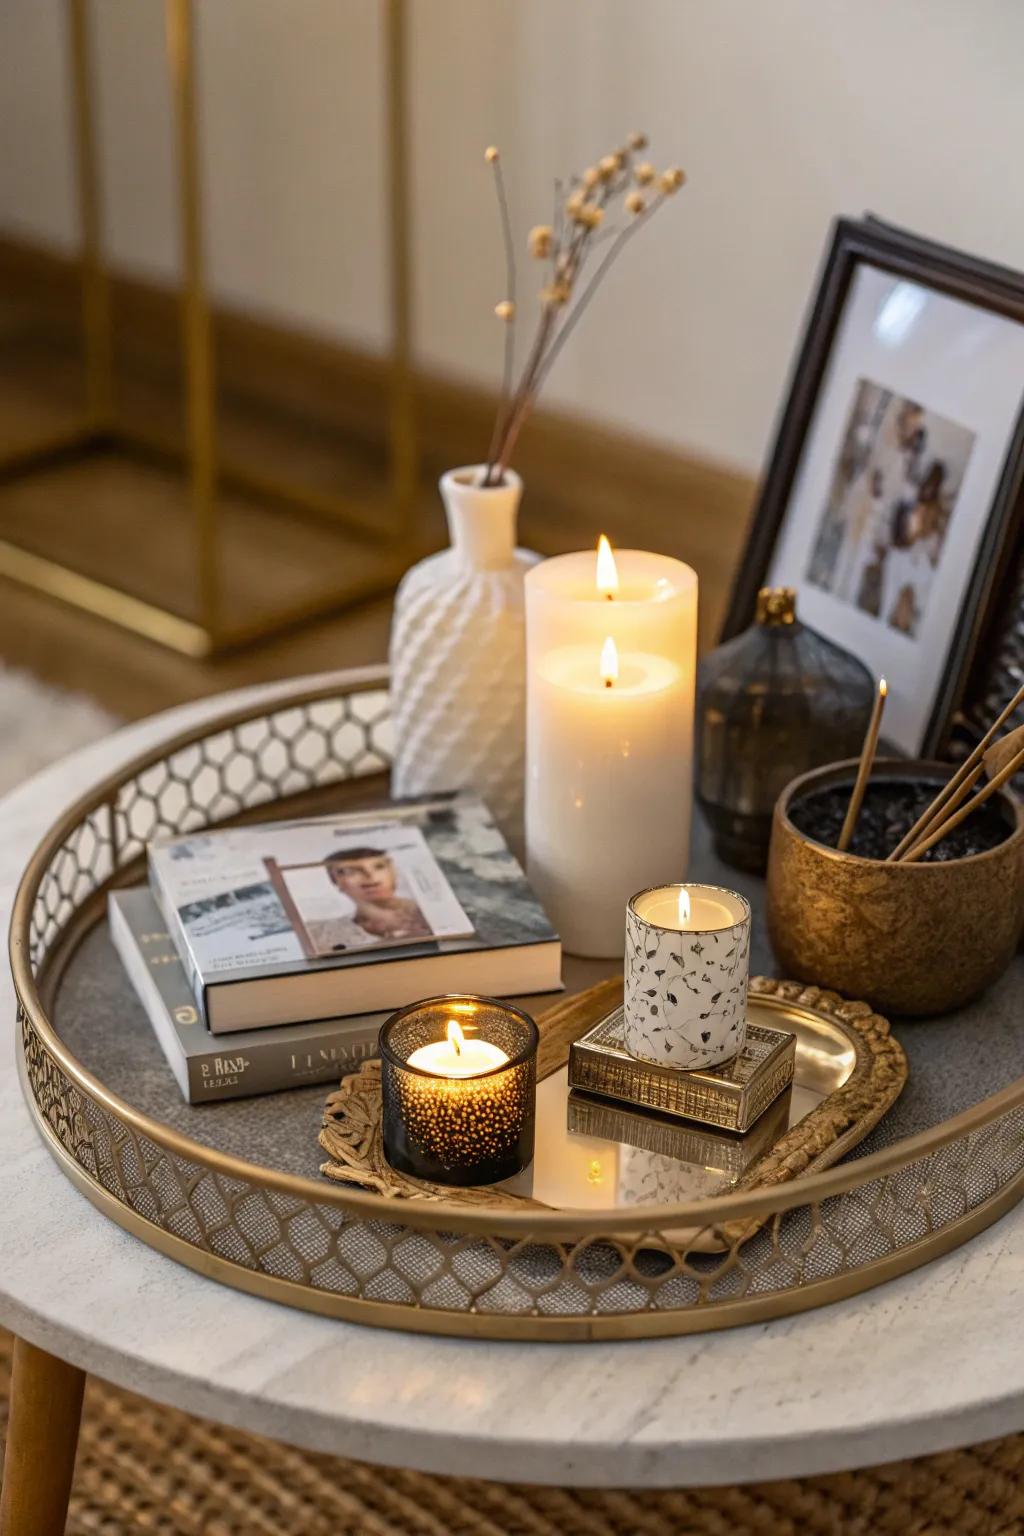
(910, 938)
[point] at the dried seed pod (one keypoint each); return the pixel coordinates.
(506, 310)
(635, 203)
(672, 179)
(644, 173)
(490, 154)
(540, 241)
(556, 294)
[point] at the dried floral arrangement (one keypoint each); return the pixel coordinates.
(602, 207)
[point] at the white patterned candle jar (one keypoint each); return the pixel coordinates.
(687, 960)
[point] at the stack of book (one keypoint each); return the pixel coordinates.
(267, 957)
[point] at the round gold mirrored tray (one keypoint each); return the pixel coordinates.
(234, 1191)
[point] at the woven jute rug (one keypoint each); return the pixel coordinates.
(150, 1469)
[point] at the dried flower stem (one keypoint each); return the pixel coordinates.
(523, 399)
(504, 403)
(546, 361)
(622, 236)
(577, 228)
(569, 262)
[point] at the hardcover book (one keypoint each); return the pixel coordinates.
(331, 916)
(257, 1061)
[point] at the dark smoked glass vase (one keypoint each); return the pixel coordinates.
(772, 703)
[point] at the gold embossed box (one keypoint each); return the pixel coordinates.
(731, 1096)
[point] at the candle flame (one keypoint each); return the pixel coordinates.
(456, 1039)
(607, 571)
(883, 688)
(609, 662)
(684, 907)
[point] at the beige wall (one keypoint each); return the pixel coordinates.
(782, 111)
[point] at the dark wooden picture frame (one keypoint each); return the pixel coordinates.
(960, 276)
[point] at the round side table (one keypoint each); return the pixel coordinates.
(923, 1364)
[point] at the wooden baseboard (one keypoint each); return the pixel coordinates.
(582, 478)
(322, 409)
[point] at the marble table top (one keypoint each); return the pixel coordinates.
(926, 1362)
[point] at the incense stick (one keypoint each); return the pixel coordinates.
(1013, 766)
(933, 818)
(867, 758)
(927, 816)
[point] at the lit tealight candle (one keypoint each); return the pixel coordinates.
(458, 1056)
(687, 959)
(458, 1081)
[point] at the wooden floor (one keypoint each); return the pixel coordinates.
(124, 520)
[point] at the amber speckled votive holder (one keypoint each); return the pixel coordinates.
(459, 1085)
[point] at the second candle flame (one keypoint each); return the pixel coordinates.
(607, 571)
(609, 662)
(684, 907)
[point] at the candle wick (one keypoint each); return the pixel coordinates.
(607, 682)
(609, 597)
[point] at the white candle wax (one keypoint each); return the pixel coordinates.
(609, 738)
(444, 1058)
(706, 913)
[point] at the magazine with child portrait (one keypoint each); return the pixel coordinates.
(373, 889)
(431, 876)
(335, 916)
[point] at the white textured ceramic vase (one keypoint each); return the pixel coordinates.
(458, 655)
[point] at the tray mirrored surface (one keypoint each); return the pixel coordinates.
(595, 1154)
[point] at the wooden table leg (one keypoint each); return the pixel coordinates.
(42, 1437)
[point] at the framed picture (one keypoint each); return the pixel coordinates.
(894, 487)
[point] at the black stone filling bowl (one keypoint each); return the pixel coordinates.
(920, 938)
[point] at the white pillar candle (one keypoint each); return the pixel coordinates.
(687, 960)
(611, 662)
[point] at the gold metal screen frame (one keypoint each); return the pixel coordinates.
(384, 524)
(147, 1176)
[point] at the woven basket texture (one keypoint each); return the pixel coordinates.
(142, 1468)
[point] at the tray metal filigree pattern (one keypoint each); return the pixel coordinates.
(516, 1273)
